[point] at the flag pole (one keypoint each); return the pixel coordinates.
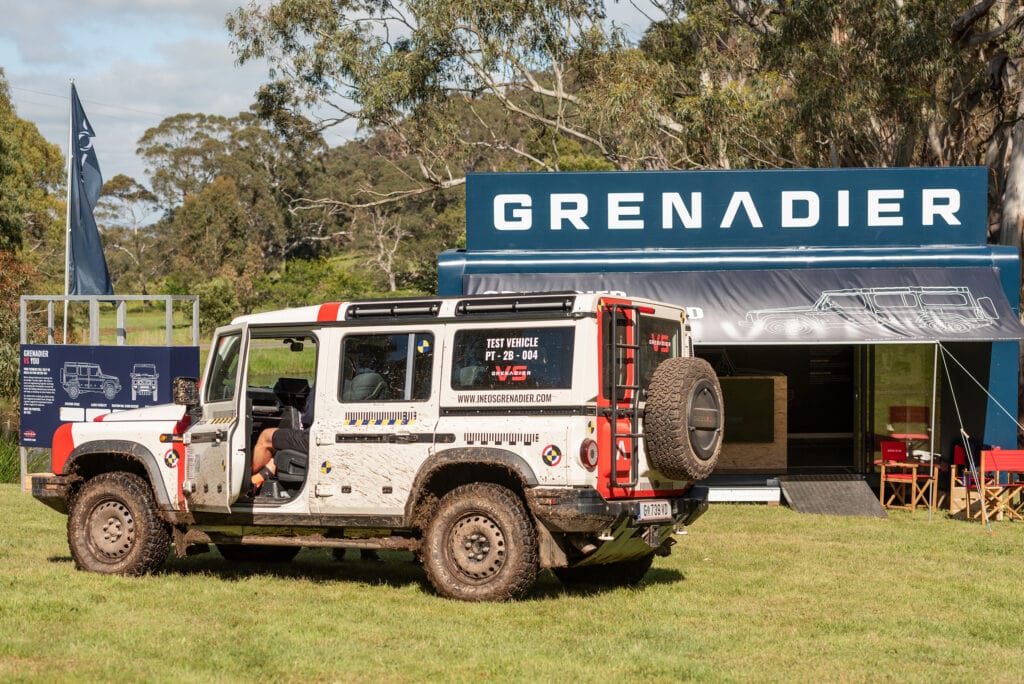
(67, 227)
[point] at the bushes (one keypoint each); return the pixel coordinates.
(10, 463)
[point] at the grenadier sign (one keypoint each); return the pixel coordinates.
(708, 209)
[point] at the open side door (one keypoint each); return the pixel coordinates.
(216, 444)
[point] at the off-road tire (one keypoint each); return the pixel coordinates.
(114, 529)
(256, 553)
(109, 392)
(621, 574)
(683, 421)
(73, 390)
(481, 545)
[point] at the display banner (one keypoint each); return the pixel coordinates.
(726, 209)
(75, 383)
(805, 306)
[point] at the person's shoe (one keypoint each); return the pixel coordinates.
(366, 555)
(370, 556)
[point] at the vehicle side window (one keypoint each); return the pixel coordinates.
(513, 358)
(943, 299)
(848, 301)
(224, 371)
(387, 367)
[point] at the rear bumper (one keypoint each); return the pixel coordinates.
(52, 490)
(585, 510)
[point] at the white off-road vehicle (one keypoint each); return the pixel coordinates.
(490, 435)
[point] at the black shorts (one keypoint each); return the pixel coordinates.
(295, 440)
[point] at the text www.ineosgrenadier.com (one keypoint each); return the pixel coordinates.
(505, 398)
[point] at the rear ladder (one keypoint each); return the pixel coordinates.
(625, 363)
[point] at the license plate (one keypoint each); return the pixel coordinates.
(658, 509)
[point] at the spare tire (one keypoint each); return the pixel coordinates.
(683, 419)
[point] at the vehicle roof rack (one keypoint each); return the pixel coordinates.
(393, 309)
(562, 303)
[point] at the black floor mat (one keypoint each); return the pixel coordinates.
(831, 495)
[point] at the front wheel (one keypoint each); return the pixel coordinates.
(621, 574)
(113, 527)
(481, 545)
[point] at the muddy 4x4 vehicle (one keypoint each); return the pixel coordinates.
(492, 436)
(77, 378)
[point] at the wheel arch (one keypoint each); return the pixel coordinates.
(106, 455)
(448, 469)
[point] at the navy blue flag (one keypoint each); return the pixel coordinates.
(87, 267)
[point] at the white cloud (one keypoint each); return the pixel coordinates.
(135, 62)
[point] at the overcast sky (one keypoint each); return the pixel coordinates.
(134, 62)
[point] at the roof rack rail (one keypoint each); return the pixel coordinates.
(393, 309)
(535, 304)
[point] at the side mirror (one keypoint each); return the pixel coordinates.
(185, 391)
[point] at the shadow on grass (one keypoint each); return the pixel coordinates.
(398, 570)
(59, 559)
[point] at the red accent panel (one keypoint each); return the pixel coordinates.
(62, 446)
(99, 418)
(179, 448)
(328, 312)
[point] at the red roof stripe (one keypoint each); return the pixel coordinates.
(328, 312)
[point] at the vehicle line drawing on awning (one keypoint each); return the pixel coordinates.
(943, 309)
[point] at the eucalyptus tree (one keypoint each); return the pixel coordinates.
(712, 84)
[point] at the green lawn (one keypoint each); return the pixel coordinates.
(751, 593)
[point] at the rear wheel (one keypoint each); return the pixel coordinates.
(258, 553)
(683, 419)
(113, 527)
(481, 545)
(620, 574)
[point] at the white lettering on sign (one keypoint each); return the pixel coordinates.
(810, 210)
(672, 205)
(520, 218)
(798, 209)
(571, 207)
(741, 199)
(882, 210)
(940, 202)
(618, 210)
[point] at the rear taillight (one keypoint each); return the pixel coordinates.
(588, 454)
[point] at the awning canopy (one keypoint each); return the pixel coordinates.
(806, 306)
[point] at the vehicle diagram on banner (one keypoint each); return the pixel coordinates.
(78, 383)
(78, 378)
(943, 309)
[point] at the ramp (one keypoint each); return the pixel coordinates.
(831, 495)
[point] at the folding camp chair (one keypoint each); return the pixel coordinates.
(909, 481)
(1001, 488)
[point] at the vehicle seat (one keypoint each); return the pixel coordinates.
(290, 419)
(364, 386)
(291, 466)
(471, 376)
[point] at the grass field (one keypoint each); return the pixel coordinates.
(751, 593)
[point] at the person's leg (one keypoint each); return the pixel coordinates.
(263, 457)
